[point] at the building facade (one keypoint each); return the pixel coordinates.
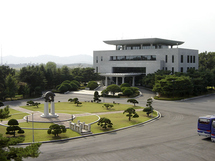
(135, 58)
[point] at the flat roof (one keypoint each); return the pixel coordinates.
(120, 74)
(145, 41)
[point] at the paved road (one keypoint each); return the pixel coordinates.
(173, 137)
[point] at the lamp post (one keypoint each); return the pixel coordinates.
(32, 126)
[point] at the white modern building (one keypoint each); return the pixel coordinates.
(134, 58)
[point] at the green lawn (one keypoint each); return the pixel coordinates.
(15, 115)
(119, 120)
(71, 108)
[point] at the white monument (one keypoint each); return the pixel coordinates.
(49, 97)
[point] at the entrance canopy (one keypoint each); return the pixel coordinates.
(122, 75)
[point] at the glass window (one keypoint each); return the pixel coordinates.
(166, 59)
(191, 60)
(96, 59)
(101, 58)
(188, 58)
(204, 121)
(182, 70)
(172, 70)
(173, 59)
(182, 59)
(194, 59)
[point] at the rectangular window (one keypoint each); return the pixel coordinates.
(182, 70)
(191, 60)
(166, 68)
(96, 59)
(173, 59)
(182, 59)
(188, 58)
(166, 58)
(172, 70)
(194, 59)
(101, 58)
(97, 69)
(188, 68)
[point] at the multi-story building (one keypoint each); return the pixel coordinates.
(135, 58)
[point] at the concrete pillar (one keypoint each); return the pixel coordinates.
(117, 81)
(46, 109)
(123, 80)
(89, 127)
(133, 81)
(52, 108)
(106, 81)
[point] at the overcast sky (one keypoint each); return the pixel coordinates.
(72, 27)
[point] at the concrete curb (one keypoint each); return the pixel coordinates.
(84, 136)
(197, 97)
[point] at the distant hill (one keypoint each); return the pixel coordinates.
(77, 59)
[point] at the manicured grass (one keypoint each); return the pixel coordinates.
(15, 114)
(120, 120)
(87, 119)
(71, 108)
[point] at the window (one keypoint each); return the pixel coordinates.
(194, 59)
(133, 58)
(182, 70)
(172, 70)
(97, 69)
(166, 58)
(188, 58)
(166, 68)
(182, 59)
(191, 59)
(101, 58)
(96, 59)
(204, 121)
(188, 68)
(172, 58)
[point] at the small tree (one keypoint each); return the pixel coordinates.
(76, 101)
(70, 100)
(30, 102)
(134, 101)
(56, 129)
(17, 153)
(105, 122)
(11, 130)
(36, 104)
(108, 106)
(113, 89)
(5, 113)
(131, 113)
(92, 85)
(149, 108)
(96, 97)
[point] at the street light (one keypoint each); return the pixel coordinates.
(33, 126)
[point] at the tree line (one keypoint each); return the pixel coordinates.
(30, 81)
(194, 82)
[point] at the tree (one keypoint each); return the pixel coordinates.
(105, 123)
(11, 86)
(113, 89)
(92, 85)
(13, 127)
(134, 101)
(5, 112)
(36, 104)
(1, 104)
(56, 129)
(17, 153)
(149, 108)
(96, 97)
(30, 102)
(70, 100)
(108, 106)
(127, 91)
(76, 101)
(125, 85)
(131, 113)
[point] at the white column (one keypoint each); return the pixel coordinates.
(133, 81)
(123, 80)
(106, 81)
(117, 81)
(52, 108)
(46, 109)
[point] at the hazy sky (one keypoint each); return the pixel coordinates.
(72, 27)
